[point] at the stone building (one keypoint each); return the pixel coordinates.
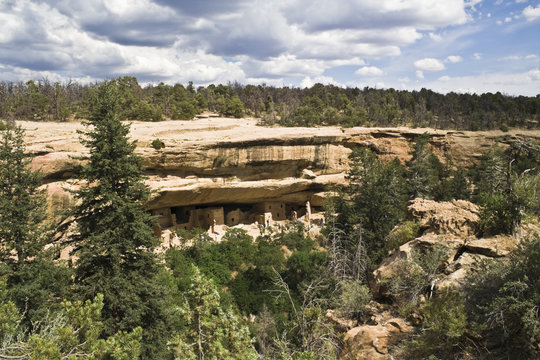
(277, 210)
(166, 219)
(204, 217)
(189, 217)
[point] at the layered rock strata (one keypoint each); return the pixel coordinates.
(218, 161)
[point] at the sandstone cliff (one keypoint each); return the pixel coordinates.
(224, 161)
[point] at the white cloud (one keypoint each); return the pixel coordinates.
(12, 25)
(444, 78)
(325, 15)
(283, 65)
(519, 57)
(216, 41)
(308, 82)
(472, 3)
(454, 59)
(435, 37)
(521, 1)
(369, 71)
(524, 83)
(477, 56)
(531, 14)
(499, 22)
(429, 64)
(534, 75)
(507, 19)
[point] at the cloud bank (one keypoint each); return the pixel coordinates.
(216, 41)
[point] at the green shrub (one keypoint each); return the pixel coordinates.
(402, 234)
(158, 144)
(414, 275)
(443, 326)
(352, 299)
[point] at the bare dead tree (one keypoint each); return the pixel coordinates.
(314, 334)
(348, 258)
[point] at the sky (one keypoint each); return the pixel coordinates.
(472, 46)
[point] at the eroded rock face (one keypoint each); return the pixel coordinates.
(458, 217)
(452, 224)
(212, 160)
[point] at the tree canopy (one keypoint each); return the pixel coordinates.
(320, 105)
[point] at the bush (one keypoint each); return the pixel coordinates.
(158, 144)
(352, 299)
(415, 274)
(402, 234)
(504, 300)
(443, 325)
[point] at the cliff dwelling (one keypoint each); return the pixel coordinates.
(206, 216)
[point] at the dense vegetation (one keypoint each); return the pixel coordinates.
(319, 105)
(120, 300)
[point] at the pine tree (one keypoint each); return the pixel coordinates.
(425, 171)
(33, 279)
(211, 331)
(378, 192)
(22, 204)
(114, 232)
(70, 333)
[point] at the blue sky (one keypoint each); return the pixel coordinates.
(444, 45)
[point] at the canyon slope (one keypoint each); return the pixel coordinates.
(219, 161)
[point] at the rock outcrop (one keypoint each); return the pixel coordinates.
(453, 225)
(219, 160)
(373, 342)
(458, 217)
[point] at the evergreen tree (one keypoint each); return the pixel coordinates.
(508, 187)
(22, 204)
(114, 232)
(378, 192)
(425, 171)
(458, 187)
(503, 297)
(33, 280)
(211, 331)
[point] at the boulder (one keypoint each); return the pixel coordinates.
(497, 246)
(374, 342)
(308, 174)
(341, 324)
(453, 225)
(456, 217)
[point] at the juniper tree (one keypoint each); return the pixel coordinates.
(114, 234)
(70, 333)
